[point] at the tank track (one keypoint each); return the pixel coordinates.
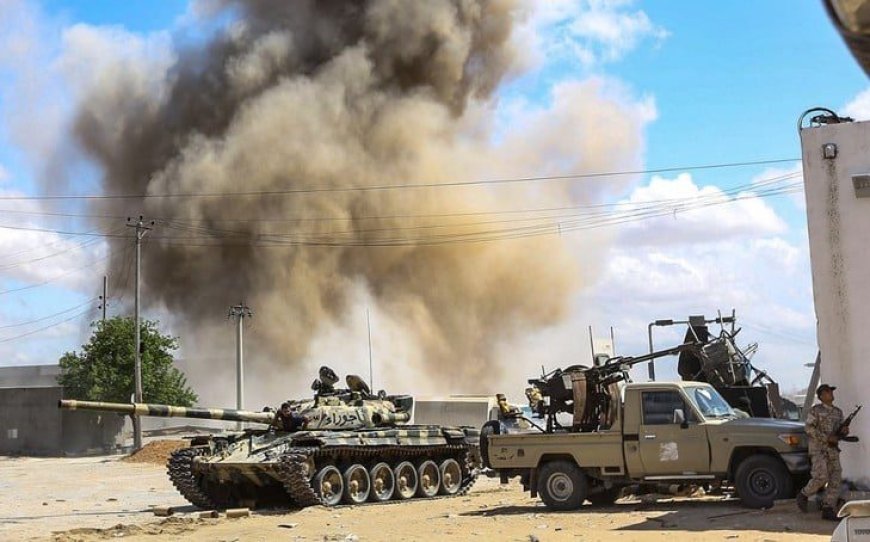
(296, 480)
(180, 470)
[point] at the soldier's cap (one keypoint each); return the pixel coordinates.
(824, 387)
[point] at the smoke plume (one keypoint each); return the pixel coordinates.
(310, 108)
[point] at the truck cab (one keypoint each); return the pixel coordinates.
(681, 432)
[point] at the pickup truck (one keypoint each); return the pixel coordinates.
(668, 432)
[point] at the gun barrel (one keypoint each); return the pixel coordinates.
(634, 360)
(384, 418)
(169, 411)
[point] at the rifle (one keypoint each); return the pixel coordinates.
(843, 429)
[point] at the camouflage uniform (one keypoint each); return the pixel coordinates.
(823, 421)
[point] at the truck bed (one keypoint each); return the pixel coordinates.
(525, 450)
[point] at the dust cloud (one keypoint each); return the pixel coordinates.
(264, 149)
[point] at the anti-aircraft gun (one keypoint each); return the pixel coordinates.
(589, 394)
(718, 360)
(353, 448)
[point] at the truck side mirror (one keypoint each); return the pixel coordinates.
(680, 418)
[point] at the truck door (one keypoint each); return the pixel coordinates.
(668, 448)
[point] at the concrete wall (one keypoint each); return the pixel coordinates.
(473, 411)
(29, 376)
(839, 235)
(31, 424)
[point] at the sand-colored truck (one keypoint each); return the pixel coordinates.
(642, 433)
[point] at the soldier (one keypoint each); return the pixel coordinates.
(535, 398)
(287, 420)
(506, 410)
(822, 423)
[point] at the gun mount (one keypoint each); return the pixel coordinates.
(590, 394)
(718, 360)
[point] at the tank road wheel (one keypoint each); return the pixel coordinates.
(357, 484)
(329, 485)
(451, 477)
(761, 479)
(430, 479)
(383, 482)
(406, 480)
(562, 486)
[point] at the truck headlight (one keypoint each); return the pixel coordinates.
(790, 438)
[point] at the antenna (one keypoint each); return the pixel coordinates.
(591, 344)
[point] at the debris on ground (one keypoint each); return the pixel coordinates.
(156, 452)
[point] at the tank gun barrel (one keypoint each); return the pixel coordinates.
(169, 411)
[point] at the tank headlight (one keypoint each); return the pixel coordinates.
(790, 438)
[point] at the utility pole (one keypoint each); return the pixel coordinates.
(240, 312)
(141, 230)
(371, 372)
(104, 298)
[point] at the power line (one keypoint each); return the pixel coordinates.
(52, 255)
(219, 236)
(50, 316)
(59, 232)
(447, 184)
(34, 331)
(49, 281)
(260, 219)
(636, 211)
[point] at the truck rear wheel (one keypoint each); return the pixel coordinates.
(562, 485)
(760, 480)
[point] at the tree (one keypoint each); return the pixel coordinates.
(104, 370)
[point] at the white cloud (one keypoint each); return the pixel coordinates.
(734, 255)
(4, 174)
(31, 256)
(859, 107)
(686, 213)
(773, 178)
(766, 280)
(589, 31)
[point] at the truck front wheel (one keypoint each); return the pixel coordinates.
(761, 479)
(562, 485)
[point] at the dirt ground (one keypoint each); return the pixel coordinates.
(92, 499)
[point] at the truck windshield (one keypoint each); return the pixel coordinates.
(709, 402)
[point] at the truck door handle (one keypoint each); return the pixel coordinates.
(649, 437)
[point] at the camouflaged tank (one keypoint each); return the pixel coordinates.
(352, 450)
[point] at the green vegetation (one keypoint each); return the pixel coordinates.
(104, 369)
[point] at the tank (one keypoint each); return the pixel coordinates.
(354, 448)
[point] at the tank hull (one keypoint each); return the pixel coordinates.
(262, 469)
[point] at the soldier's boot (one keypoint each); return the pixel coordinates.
(801, 501)
(829, 514)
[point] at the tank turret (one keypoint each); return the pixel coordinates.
(343, 410)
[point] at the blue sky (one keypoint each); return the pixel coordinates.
(725, 82)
